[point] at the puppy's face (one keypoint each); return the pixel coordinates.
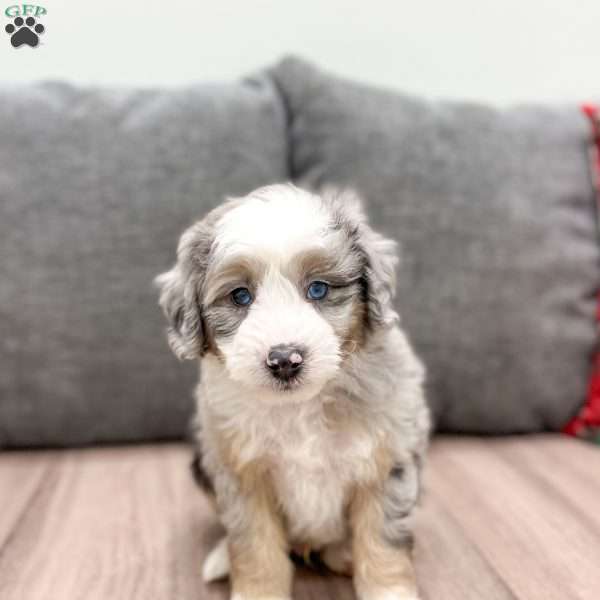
(281, 286)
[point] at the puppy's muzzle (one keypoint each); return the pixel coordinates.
(285, 362)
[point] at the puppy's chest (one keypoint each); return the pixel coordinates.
(313, 472)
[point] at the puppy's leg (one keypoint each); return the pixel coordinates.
(260, 568)
(383, 568)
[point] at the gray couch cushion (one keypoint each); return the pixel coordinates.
(95, 188)
(494, 210)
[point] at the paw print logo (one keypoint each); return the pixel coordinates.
(24, 32)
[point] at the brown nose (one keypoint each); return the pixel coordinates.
(285, 361)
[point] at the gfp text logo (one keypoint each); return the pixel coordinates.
(25, 28)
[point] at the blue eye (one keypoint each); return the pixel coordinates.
(241, 296)
(317, 290)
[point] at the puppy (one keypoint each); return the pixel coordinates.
(312, 423)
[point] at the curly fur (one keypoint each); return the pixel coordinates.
(332, 462)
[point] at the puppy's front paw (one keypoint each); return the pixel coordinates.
(216, 566)
(387, 594)
(254, 597)
(391, 595)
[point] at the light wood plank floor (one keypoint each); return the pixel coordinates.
(501, 519)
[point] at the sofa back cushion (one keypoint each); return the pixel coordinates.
(96, 186)
(493, 210)
(495, 213)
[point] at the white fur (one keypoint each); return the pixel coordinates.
(318, 439)
(240, 597)
(313, 462)
(314, 459)
(274, 232)
(271, 224)
(387, 595)
(279, 315)
(216, 564)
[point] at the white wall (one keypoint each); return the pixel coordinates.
(501, 51)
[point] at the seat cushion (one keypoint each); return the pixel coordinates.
(96, 185)
(494, 211)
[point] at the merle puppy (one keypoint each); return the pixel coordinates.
(312, 423)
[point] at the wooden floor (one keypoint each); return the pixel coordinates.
(501, 519)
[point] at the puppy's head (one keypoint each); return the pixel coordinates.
(280, 285)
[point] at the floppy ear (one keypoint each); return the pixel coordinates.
(379, 256)
(181, 287)
(185, 332)
(180, 292)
